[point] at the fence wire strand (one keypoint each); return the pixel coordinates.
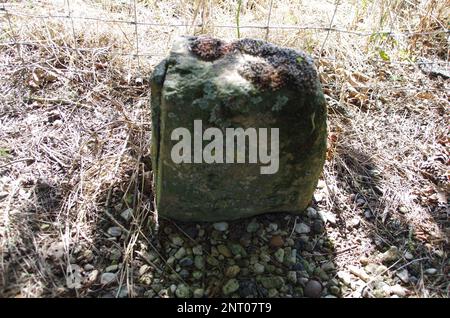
(268, 20)
(137, 49)
(263, 27)
(136, 35)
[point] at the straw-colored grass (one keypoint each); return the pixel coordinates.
(75, 130)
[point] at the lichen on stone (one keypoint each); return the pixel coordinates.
(278, 67)
(208, 48)
(242, 84)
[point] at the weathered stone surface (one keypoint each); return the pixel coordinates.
(248, 84)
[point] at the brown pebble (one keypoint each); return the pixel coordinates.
(313, 289)
(276, 241)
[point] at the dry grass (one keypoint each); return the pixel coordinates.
(75, 131)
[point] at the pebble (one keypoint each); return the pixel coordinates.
(302, 228)
(171, 260)
(220, 226)
(232, 271)
(439, 252)
(368, 214)
(321, 184)
(88, 267)
(186, 262)
(92, 277)
(279, 255)
(112, 268)
(146, 278)
(258, 268)
(191, 231)
(237, 249)
(298, 291)
(127, 214)
(355, 222)
(115, 254)
(359, 272)
(197, 275)
(371, 268)
(272, 293)
(248, 288)
(360, 202)
(253, 226)
(409, 256)
(122, 293)
(199, 262)
(290, 242)
(364, 260)
(327, 217)
(430, 271)
(321, 274)
(290, 256)
(382, 290)
(108, 278)
(292, 277)
(309, 267)
(298, 267)
(183, 291)
(178, 241)
(212, 260)
(223, 249)
(313, 289)
(157, 287)
(264, 257)
(143, 269)
(276, 241)
(197, 250)
(398, 290)
(403, 209)
(230, 287)
(318, 227)
(318, 196)
(328, 266)
(253, 259)
(391, 255)
(199, 293)
(381, 270)
(335, 290)
(115, 231)
(302, 280)
(270, 282)
(272, 227)
(403, 275)
(149, 293)
(88, 255)
(311, 212)
(180, 253)
(345, 277)
(245, 239)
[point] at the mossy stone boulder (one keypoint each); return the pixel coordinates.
(243, 84)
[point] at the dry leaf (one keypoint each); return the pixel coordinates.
(360, 77)
(425, 95)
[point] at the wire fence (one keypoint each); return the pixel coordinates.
(138, 52)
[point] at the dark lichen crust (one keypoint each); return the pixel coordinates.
(278, 66)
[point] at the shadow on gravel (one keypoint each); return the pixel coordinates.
(35, 209)
(406, 258)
